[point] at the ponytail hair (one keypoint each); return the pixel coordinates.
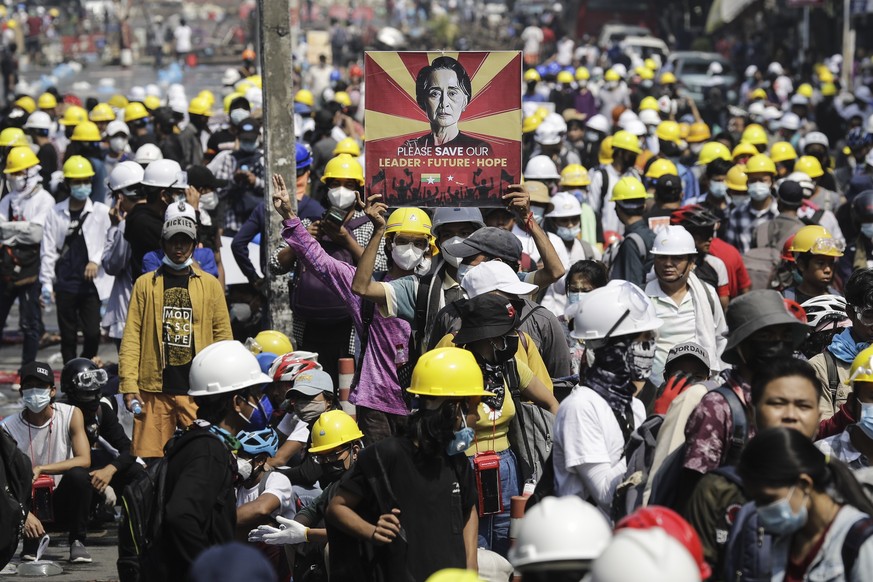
(778, 456)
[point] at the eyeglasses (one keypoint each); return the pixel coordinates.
(90, 378)
(824, 246)
(864, 314)
(328, 458)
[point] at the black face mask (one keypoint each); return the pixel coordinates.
(331, 472)
(761, 354)
(508, 351)
(669, 149)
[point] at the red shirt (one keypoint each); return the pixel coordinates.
(738, 277)
(796, 571)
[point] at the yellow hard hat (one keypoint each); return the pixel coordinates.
(744, 149)
(409, 220)
(151, 102)
(77, 167)
(200, 106)
(541, 112)
(47, 101)
(565, 77)
(817, 240)
(713, 150)
(828, 89)
(582, 74)
(243, 86)
(454, 575)
(118, 101)
(343, 167)
(530, 123)
(825, 75)
(26, 102)
(810, 166)
(20, 158)
(611, 75)
(698, 132)
(736, 179)
(760, 164)
(575, 175)
(782, 151)
(343, 98)
(256, 80)
(754, 134)
(862, 366)
(12, 24)
(757, 94)
(625, 140)
(669, 130)
(230, 98)
(347, 146)
(54, 12)
(74, 115)
(651, 64)
(646, 74)
(649, 102)
(805, 89)
(661, 167)
(135, 111)
(604, 154)
(448, 373)
(628, 188)
(667, 78)
(332, 430)
(102, 112)
(208, 95)
(531, 76)
(304, 96)
(86, 131)
(271, 341)
(12, 136)
(684, 128)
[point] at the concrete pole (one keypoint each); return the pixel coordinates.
(848, 46)
(278, 122)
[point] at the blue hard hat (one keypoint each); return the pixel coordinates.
(304, 156)
(302, 108)
(335, 76)
(265, 359)
(541, 70)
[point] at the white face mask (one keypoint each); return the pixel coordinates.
(237, 115)
(423, 267)
(759, 191)
(208, 201)
(117, 144)
(36, 399)
(449, 258)
(342, 197)
(244, 468)
(17, 183)
(407, 257)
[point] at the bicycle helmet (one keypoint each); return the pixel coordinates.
(858, 138)
(259, 441)
(825, 309)
(862, 206)
(693, 215)
(286, 368)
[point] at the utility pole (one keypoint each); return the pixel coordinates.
(274, 19)
(848, 47)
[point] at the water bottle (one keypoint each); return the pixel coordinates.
(136, 407)
(47, 300)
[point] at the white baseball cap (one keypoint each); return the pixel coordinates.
(494, 276)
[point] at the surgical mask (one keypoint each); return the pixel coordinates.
(568, 234)
(342, 197)
(423, 267)
(237, 115)
(866, 421)
(640, 359)
(461, 441)
(117, 144)
(737, 200)
(695, 148)
(17, 183)
(759, 191)
(309, 411)
(407, 257)
(36, 399)
(248, 146)
(448, 257)
(244, 468)
(462, 270)
(867, 229)
(779, 519)
(208, 201)
(538, 213)
(169, 263)
(80, 191)
(718, 189)
(591, 137)
(574, 297)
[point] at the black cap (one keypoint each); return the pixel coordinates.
(668, 183)
(202, 177)
(790, 193)
(491, 241)
(486, 316)
(39, 370)
(249, 128)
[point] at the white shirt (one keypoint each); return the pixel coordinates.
(94, 230)
(182, 34)
(31, 209)
(586, 432)
(277, 485)
(46, 444)
(296, 429)
(529, 247)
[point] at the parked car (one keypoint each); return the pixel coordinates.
(644, 47)
(693, 70)
(617, 32)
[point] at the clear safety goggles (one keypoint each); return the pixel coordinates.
(864, 314)
(91, 378)
(827, 246)
(328, 458)
(253, 346)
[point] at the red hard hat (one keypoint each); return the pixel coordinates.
(610, 237)
(356, 71)
(787, 255)
(795, 309)
(673, 523)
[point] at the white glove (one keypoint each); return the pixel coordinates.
(290, 532)
(109, 497)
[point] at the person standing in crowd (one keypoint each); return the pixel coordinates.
(634, 257)
(759, 209)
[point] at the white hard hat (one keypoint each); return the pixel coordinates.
(636, 127)
(644, 554)
(555, 120)
(230, 77)
(798, 99)
(38, 120)
(178, 105)
(673, 239)
(598, 122)
(255, 97)
(863, 93)
(815, 138)
(560, 533)
(547, 134)
(125, 175)
(117, 126)
(715, 68)
(153, 90)
(225, 366)
(650, 117)
(775, 68)
(751, 70)
(620, 69)
(541, 168)
(148, 153)
(620, 308)
(626, 117)
(756, 109)
(165, 174)
(771, 113)
(137, 93)
(176, 90)
(564, 205)
(790, 121)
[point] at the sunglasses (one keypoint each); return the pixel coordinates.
(328, 458)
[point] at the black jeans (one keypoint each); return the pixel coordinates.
(72, 505)
(29, 316)
(75, 310)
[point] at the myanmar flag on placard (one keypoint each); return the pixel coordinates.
(430, 178)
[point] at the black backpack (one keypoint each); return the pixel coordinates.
(142, 522)
(16, 475)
